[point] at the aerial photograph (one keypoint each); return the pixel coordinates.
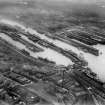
(52, 52)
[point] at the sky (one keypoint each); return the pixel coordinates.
(102, 2)
(85, 1)
(80, 1)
